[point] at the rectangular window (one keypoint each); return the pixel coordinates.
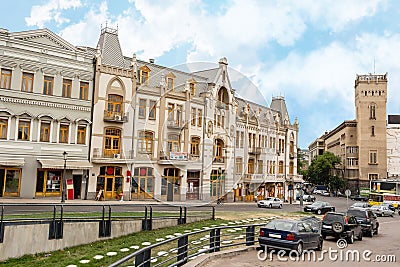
(81, 138)
(84, 91)
(27, 82)
(239, 165)
(373, 155)
(64, 130)
(241, 139)
(193, 116)
(3, 128)
(24, 130)
(195, 146)
(171, 108)
(170, 83)
(192, 89)
(199, 117)
(372, 130)
(48, 85)
(66, 88)
(145, 142)
(142, 108)
(237, 139)
(144, 77)
(152, 112)
(5, 79)
(45, 131)
(280, 167)
(260, 166)
(373, 176)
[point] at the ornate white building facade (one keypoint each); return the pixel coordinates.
(163, 133)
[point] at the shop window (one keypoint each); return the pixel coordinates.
(217, 183)
(49, 182)
(143, 183)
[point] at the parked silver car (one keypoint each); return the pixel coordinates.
(381, 210)
(270, 202)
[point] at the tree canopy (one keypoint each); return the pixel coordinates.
(322, 171)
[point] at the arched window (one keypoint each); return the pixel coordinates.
(223, 95)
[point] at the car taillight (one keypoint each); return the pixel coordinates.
(346, 221)
(261, 232)
(290, 237)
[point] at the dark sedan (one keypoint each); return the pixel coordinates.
(291, 235)
(319, 207)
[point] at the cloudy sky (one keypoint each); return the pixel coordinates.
(307, 51)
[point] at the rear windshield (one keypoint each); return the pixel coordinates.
(357, 213)
(280, 225)
(333, 218)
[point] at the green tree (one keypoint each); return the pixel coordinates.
(321, 170)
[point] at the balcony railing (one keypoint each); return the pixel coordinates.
(255, 150)
(174, 124)
(114, 116)
(111, 153)
(180, 156)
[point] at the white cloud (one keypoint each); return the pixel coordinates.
(42, 14)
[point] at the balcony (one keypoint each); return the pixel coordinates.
(108, 154)
(176, 158)
(174, 124)
(255, 150)
(218, 160)
(113, 116)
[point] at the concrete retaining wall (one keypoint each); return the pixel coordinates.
(20, 240)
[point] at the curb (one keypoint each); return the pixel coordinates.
(204, 259)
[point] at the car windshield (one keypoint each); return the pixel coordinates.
(357, 213)
(331, 217)
(317, 204)
(280, 225)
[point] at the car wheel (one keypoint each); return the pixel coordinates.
(259, 205)
(323, 236)
(351, 238)
(319, 212)
(270, 206)
(360, 236)
(371, 232)
(280, 206)
(320, 244)
(299, 248)
(376, 230)
(337, 227)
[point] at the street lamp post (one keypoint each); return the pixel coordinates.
(64, 184)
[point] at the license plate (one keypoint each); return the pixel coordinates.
(274, 235)
(327, 226)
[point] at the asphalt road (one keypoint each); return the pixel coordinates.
(368, 252)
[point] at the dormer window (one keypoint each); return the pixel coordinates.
(192, 89)
(144, 75)
(170, 78)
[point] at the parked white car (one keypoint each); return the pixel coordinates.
(380, 210)
(270, 202)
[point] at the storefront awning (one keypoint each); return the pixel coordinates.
(59, 164)
(12, 162)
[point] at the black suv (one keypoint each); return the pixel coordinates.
(367, 219)
(340, 225)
